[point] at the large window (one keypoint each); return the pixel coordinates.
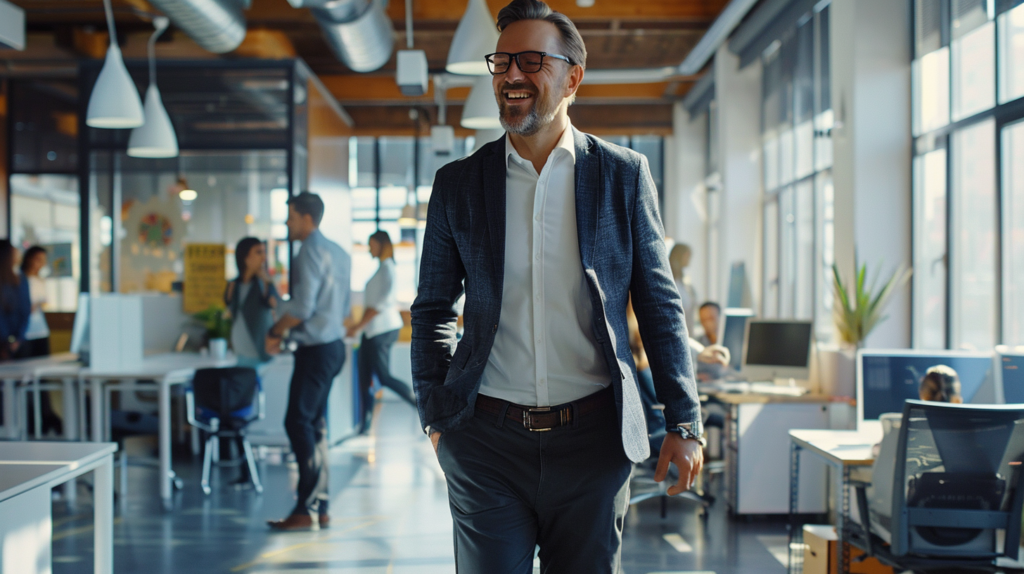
(797, 120)
(967, 230)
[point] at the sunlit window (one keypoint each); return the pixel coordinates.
(974, 72)
(1011, 54)
(1013, 234)
(931, 91)
(929, 280)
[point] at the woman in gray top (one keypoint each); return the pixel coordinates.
(251, 299)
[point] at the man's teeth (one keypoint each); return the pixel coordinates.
(517, 95)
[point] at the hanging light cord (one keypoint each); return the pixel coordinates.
(110, 21)
(160, 23)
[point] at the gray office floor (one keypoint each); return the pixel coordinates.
(390, 516)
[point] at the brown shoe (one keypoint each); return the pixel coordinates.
(294, 522)
(325, 521)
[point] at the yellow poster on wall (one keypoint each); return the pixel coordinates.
(204, 276)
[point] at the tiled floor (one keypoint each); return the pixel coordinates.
(390, 516)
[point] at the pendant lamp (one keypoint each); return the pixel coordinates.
(114, 102)
(481, 109)
(155, 138)
(475, 37)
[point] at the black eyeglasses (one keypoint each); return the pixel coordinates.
(528, 62)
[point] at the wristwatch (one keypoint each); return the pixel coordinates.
(693, 430)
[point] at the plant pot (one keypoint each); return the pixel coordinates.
(838, 372)
(218, 348)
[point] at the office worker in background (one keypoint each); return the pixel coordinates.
(380, 325)
(251, 299)
(546, 345)
(313, 318)
(15, 302)
(679, 258)
(710, 314)
(940, 384)
(37, 335)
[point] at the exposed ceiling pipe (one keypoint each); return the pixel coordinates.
(359, 32)
(216, 25)
(715, 36)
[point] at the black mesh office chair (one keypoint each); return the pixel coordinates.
(955, 482)
(223, 402)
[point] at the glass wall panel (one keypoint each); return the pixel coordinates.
(931, 91)
(770, 305)
(804, 265)
(45, 212)
(1013, 234)
(929, 279)
(974, 227)
(974, 72)
(787, 252)
(825, 240)
(1011, 54)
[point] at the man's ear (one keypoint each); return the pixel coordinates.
(575, 79)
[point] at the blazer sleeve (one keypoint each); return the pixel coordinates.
(659, 309)
(434, 314)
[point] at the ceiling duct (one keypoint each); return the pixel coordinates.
(216, 25)
(358, 31)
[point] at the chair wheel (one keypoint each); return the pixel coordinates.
(178, 483)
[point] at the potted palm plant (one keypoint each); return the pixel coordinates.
(218, 328)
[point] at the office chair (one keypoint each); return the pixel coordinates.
(947, 478)
(223, 402)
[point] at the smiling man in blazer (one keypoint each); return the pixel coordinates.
(535, 414)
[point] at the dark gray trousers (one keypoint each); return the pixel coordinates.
(511, 489)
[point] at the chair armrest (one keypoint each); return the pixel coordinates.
(190, 413)
(861, 488)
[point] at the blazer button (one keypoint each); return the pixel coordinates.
(495, 329)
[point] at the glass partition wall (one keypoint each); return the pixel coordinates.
(245, 138)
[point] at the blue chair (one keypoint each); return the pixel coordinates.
(947, 479)
(223, 402)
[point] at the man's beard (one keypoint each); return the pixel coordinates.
(525, 124)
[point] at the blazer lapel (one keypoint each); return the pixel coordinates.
(588, 196)
(494, 202)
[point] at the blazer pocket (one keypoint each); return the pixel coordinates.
(461, 357)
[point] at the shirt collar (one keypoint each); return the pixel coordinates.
(565, 143)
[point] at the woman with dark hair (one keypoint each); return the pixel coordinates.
(380, 325)
(940, 384)
(250, 299)
(37, 337)
(15, 302)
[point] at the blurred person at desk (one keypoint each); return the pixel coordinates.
(710, 314)
(380, 325)
(314, 319)
(15, 303)
(251, 299)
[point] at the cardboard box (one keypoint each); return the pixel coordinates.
(820, 553)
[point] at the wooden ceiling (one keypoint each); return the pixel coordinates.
(619, 34)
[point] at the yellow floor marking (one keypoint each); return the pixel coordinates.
(286, 549)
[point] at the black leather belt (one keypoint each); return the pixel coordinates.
(540, 419)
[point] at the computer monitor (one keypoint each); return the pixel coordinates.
(1009, 375)
(775, 349)
(734, 328)
(887, 378)
(80, 330)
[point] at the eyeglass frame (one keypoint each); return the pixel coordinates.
(515, 57)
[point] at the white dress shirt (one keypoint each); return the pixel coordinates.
(380, 295)
(544, 350)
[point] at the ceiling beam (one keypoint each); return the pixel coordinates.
(697, 11)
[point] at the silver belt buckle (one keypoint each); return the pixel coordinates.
(528, 420)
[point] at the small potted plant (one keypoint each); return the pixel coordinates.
(218, 328)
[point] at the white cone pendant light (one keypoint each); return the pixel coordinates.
(475, 37)
(155, 138)
(481, 109)
(114, 102)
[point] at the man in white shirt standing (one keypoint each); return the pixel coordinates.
(535, 414)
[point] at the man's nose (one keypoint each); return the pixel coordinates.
(513, 73)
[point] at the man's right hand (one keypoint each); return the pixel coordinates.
(434, 438)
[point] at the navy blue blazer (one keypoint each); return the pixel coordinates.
(622, 249)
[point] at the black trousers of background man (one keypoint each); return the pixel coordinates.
(316, 366)
(511, 489)
(375, 359)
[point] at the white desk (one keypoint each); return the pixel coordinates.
(27, 473)
(29, 371)
(167, 370)
(842, 450)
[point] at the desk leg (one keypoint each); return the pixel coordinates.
(96, 407)
(103, 495)
(842, 512)
(794, 502)
(70, 431)
(37, 409)
(10, 418)
(165, 442)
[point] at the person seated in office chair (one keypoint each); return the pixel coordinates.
(710, 314)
